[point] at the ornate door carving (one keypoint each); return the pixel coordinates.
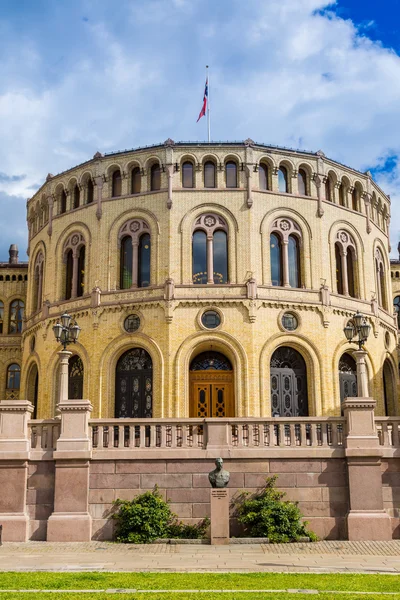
(288, 384)
(134, 385)
(211, 386)
(347, 377)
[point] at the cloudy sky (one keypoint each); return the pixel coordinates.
(77, 76)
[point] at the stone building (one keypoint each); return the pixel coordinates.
(208, 280)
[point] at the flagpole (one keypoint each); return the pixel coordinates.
(208, 105)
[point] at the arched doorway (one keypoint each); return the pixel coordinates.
(75, 378)
(388, 388)
(211, 386)
(347, 377)
(288, 384)
(33, 388)
(134, 385)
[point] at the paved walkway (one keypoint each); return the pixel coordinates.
(320, 557)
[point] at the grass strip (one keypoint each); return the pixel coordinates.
(188, 596)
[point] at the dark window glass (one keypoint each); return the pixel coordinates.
(328, 190)
(187, 175)
(383, 287)
(199, 251)
(339, 272)
(209, 174)
(354, 200)
(282, 180)
(68, 276)
(63, 202)
(16, 316)
(263, 177)
(116, 183)
(276, 259)
(144, 261)
(342, 195)
(294, 261)
(155, 183)
(211, 319)
(80, 290)
(396, 303)
(220, 256)
(1, 316)
(350, 273)
(231, 174)
(289, 321)
(136, 181)
(77, 196)
(75, 378)
(90, 191)
(132, 323)
(126, 263)
(13, 377)
(302, 182)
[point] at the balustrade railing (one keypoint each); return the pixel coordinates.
(388, 429)
(44, 433)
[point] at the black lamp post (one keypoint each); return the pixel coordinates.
(66, 333)
(357, 332)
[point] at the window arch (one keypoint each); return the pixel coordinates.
(63, 202)
(38, 282)
(380, 279)
(77, 196)
(13, 377)
(90, 191)
(231, 174)
(17, 308)
(329, 189)
(396, 304)
(285, 246)
(209, 174)
(135, 254)
(134, 385)
(155, 177)
(283, 184)
(288, 375)
(1, 316)
(210, 250)
(187, 174)
(74, 258)
(136, 181)
(302, 182)
(263, 176)
(345, 264)
(116, 184)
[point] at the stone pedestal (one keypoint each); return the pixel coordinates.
(219, 499)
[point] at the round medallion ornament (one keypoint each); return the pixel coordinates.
(210, 319)
(209, 221)
(132, 323)
(290, 321)
(284, 225)
(134, 226)
(74, 240)
(343, 237)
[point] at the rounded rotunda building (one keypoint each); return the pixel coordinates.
(209, 279)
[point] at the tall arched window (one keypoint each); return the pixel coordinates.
(285, 244)
(68, 276)
(276, 259)
(231, 174)
(116, 184)
(16, 316)
(77, 196)
(338, 270)
(354, 199)
(283, 180)
(294, 261)
(288, 375)
(136, 181)
(187, 175)
(135, 254)
(350, 257)
(38, 282)
(155, 177)
(209, 174)
(74, 259)
(328, 189)
(63, 202)
(396, 304)
(345, 261)
(210, 250)
(13, 377)
(263, 177)
(380, 279)
(134, 385)
(80, 290)
(1, 316)
(342, 194)
(90, 191)
(302, 182)
(75, 378)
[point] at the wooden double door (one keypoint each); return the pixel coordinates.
(211, 394)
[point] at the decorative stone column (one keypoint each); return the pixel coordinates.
(285, 263)
(64, 355)
(362, 376)
(366, 519)
(210, 259)
(14, 455)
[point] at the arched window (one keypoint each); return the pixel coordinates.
(338, 270)
(283, 180)
(38, 282)
(187, 175)
(347, 377)
(350, 258)
(342, 194)
(288, 375)
(354, 199)
(74, 259)
(209, 174)
(13, 377)
(345, 262)
(302, 182)
(231, 174)
(136, 181)
(116, 184)
(263, 177)
(81, 272)
(276, 259)
(68, 276)
(294, 261)
(210, 250)
(16, 316)
(75, 378)
(135, 254)
(77, 196)
(1, 316)
(329, 189)
(90, 191)
(134, 385)
(396, 304)
(14, 278)
(380, 279)
(63, 202)
(155, 177)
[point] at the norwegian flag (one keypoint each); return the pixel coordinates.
(204, 107)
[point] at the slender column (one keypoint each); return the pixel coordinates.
(362, 377)
(367, 211)
(63, 391)
(135, 261)
(50, 202)
(210, 259)
(285, 263)
(99, 185)
(345, 282)
(170, 172)
(249, 173)
(74, 290)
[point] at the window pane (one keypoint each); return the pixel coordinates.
(209, 175)
(187, 175)
(339, 274)
(126, 263)
(90, 192)
(136, 181)
(396, 303)
(63, 207)
(263, 177)
(77, 196)
(231, 175)
(13, 377)
(302, 182)
(144, 261)
(328, 190)
(350, 273)
(354, 198)
(155, 178)
(282, 180)
(220, 256)
(342, 195)
(276, 260)
(116, 183)
(68, 276)
(80, 290)
(16, 316)
(293, 257)
(199, 251)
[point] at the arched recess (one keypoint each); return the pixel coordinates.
(347, 377)
(186, 229)
(83, 231)
(226, 345)
(389, 388)
(211, 391)
(289, 390)
(134, 385)
(134, 240)
(32, 388)
(335, 230)
(382, 278)
(308, 173)
(76, 372)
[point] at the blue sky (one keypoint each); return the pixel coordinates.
(88, 75)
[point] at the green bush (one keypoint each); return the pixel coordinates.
(266, 514)
(148, 517)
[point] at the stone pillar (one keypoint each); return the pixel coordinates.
(285, 263)
(14, 455)
(210, 259)
(366, 519)
(217, 437)
(249, 173)
(71, 521)
(50, 202)
(170, 173)
(345, 279)
(362, 376)
(74, 291)
(135, 261)
(64, 355)
(99, 185)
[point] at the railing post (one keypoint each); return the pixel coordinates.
(366, 519)
(14, 455)
(71, 520)
(217, 436)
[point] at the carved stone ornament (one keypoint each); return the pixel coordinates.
(210, 223)
(133, 228)
(219, 478)
(345, 240)
(169, 142)
(98, 155)
(285, 227)
(249, 142)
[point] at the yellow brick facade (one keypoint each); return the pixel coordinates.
(249, 306)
